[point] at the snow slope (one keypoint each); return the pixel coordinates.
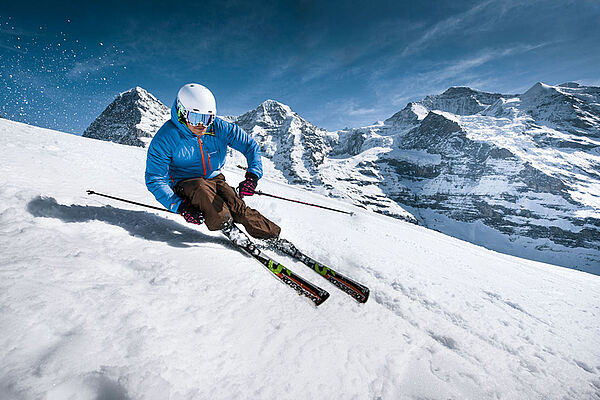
(105, 300)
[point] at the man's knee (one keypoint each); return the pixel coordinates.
(217, 221)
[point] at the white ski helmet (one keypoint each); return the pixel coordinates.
(196, 104)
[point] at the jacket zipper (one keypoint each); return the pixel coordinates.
(202, 152)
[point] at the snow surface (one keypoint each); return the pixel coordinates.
(105, 300)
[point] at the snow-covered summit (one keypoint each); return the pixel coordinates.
(460, 100)
(132, 118)
(273, 112)
(571, 108)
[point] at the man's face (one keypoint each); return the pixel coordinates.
(198, 130)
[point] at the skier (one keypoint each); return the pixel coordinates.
(184, 162)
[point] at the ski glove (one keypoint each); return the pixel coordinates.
(248, 186)
(190, 213)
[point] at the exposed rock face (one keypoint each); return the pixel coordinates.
(568, 107)
(132, 118)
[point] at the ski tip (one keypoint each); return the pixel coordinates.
(321, 299)
(366, 296)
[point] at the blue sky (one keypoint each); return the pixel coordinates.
(336, 63)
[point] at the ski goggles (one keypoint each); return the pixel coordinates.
(195, 118)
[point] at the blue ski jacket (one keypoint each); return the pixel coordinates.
(175, 154)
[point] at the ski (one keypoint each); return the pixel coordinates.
(284, 274)
(357, 291)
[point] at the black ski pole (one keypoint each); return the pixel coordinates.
(298, 201)
(303, 202)
(130, 202)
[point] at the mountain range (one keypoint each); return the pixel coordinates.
(517, 173)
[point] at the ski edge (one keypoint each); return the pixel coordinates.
(303, 287)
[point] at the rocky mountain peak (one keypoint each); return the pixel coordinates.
(537, 90)
(270, 105)
(460, 101)
(132, 118)
(138, 96)
(568, 107)
(454, 91)
(296, 146)
(270, 112)
(435, 131)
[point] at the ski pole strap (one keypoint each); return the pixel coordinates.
(130, 202)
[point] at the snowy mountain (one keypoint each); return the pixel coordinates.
(132, 118)
(569, 108)
(107, 300)
(294, 145)
(518, 174)
(461, 101)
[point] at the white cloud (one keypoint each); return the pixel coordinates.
(442, 28)
(589, 82)
(81, 69)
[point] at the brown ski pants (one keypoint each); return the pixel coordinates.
(219, 203)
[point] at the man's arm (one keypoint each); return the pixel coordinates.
(238, 139)
(157, 170)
